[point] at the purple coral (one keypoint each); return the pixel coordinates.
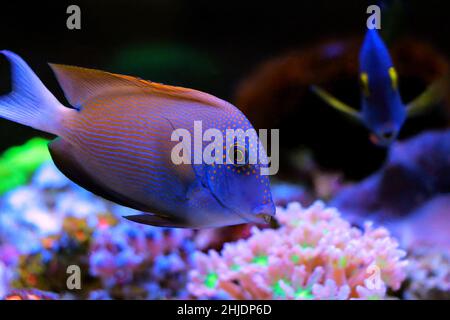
(315, 254)
(416, 170)
(122, 254)
(428, 225)
(405, 192)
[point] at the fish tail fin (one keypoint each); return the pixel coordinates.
(30, 103)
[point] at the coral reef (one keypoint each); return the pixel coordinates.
(49, 223)
(52, 223)
(30, 294)
(428, 274)
(134, 261)
(315, 254)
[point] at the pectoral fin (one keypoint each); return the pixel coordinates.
(336, 103)
(429, 98)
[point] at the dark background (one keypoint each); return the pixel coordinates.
(207, 45)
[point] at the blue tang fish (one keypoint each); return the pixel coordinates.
(382, 109)
(115, 141)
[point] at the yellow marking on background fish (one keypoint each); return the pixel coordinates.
(394, 78)
(365, 83)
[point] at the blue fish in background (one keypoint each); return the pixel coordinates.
(116, 141)
(382, 109)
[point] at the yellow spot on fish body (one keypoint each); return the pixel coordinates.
(394, 78)
(365, 83)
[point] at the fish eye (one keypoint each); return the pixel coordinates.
(364, 80)
(394, 78)
(239, 155)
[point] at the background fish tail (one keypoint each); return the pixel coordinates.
(30, 103)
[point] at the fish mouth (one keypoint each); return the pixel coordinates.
(383, 140)
(385, 135)
(263, 214)
(261, 218)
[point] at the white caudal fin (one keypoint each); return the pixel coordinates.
(30, 103)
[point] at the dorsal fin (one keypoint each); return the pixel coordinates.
(81, 84)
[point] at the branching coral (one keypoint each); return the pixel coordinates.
(141, 261)
(428, 274)
(315, 254)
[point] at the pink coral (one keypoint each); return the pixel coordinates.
(428, 274)
(315, 254)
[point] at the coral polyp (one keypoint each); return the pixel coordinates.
(315, 254)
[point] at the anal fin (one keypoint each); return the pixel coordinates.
(156, 220)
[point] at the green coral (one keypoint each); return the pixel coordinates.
(277, 289)
(262, 260)
(304, 293)
(211, 280)
(18, 163)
